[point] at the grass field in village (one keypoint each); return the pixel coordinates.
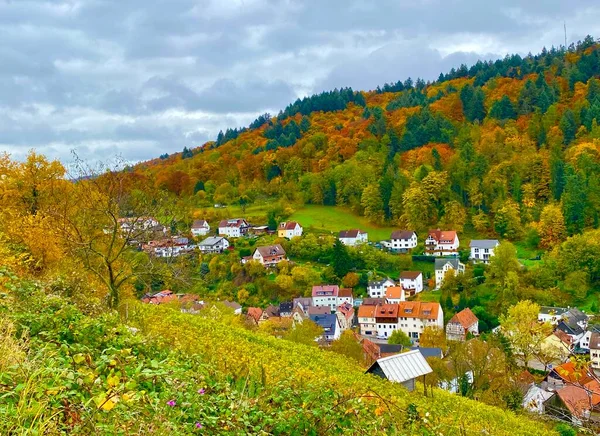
(334, 219)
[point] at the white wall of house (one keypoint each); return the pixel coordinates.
(330, 301)
(232, 232)
(404, 244)
(441, 273)
(360, 239)
(595, 359)
(367, 326)
(440, 249)
(378, 291)
(481, 254)
(289, 234)
(201, 231)
(385, 329)
(416, 284)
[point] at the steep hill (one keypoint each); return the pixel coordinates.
(158, 371)
(483, 145)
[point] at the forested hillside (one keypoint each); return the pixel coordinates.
(506, 147)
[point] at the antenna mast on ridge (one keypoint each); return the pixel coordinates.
(565, 25)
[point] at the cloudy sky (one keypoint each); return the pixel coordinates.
(141, 78)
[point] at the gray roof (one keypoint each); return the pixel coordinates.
(440, 262)
(429, 351)
(403, 367)
(547, 310)
(484, 243)
(211, 240)
(380, 282)
(575, 314)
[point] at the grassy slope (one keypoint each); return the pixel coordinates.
(305, 369)
(334, 219)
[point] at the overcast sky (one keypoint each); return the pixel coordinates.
(141, 78)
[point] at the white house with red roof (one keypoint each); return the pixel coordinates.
(345, 314)
(461, 324)
(353, 237)
(234, 228)
(442, 243)
(289, 229)
(394, 295)
(269, 255)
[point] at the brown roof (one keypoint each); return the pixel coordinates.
(394, 292)
(567, 339)
(272, 311)
(410, 275)
(271, 251)
(443, 235)
(465, 318)
(345, 292)
(595, 341)
(402, 234)
(319, 310)
(372, 301)
(199, 224)
(387, 311)
(576, 399)
(366, 311)
(346, 309)
(255, 313)
(236, 222)
(289, 225)
(350, 233)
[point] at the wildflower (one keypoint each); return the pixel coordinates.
(201, 391)
(171, 403)
(198, 425)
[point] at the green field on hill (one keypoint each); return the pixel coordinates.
(334, 219)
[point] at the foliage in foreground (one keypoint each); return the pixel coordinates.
(67, 372)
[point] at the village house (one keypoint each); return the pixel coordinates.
(573, 323)
(236, 307)
(200, 228)
(394, 295)
(558, 344)
(318, 310)
(345, 314)
(233, 228)
(461, 324)
(331, 296)
(353, 237)
(270, 312)
(330, 325)
(403, 368)
(373, 301)
(594, 346)
(270, 255)
(366, 320)
(139, 223)
(553, 315)
(414, 316)
(535, 398)
(584, 342)
(285, 309)
(168, 247)
(402, 241)
(442, 243)
(161, 297)
(298, 315)
(289, 230)
(386, 320)
(254, 314)
(482, 249)
(213, 244)
(377, 288)
(303, 303)
(412, 282)
(443, 266)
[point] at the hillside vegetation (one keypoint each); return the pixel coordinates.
(160, 371)
(507, 148)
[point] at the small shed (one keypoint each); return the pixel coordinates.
(402, 368)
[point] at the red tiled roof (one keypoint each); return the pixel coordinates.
(387, 311)
(255, 313)
(345, 292)
(289, 225)
(465, 318)
(567, 339)
(325, 291)
(418, 309)
(570, 374)
(346, 309)
(443, 236)
(366, 311)
(576, 399)
(394, 292)
(410, 275)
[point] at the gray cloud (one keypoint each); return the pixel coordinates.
(143, 78)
